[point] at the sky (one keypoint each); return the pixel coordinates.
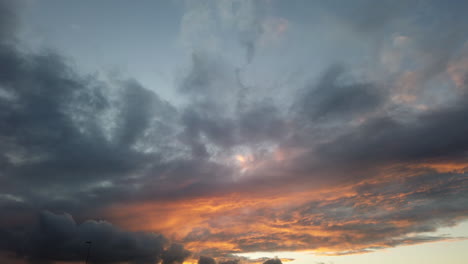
(233, 131)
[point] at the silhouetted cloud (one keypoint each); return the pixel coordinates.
(273, 261)
(60, 238)
(175, 254)
(206, 260)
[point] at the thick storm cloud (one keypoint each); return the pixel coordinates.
(59, 238)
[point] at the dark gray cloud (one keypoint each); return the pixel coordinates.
(175, 254)
(60, 238)
(273, 261)
(257, 123)
(69, 141)
(52, 123)
(425, 137)
(206, 260)
(137, 112)
(335, 97)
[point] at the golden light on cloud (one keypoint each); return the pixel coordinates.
(240, 158)
(335, 220)
(245, 162)
(444, 167)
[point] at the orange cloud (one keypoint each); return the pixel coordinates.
(347, 219)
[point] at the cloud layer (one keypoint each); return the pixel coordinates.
(349, 158)
(60, 238)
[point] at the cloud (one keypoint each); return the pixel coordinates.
(230, 262)
(335, 97)
(175, 254)
(245, 18)
(53, 121)
(342, 168)
(8, 20)
(60, 238)
(387, 139)
(78, 132)
(206, 260)
(366, 17)
(205, 23)
(273, 261)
